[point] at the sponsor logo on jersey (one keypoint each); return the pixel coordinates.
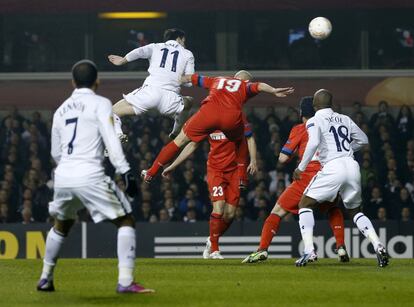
(217, 136)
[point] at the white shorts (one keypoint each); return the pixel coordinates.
(104, 201)
(149, 97)
(341, 176)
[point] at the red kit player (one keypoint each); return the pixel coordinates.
(221, 110)
(289, 200)
(223, 178)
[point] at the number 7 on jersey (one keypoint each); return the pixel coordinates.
(68, 122)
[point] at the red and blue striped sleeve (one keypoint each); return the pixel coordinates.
(252, 89)
(292, 143)
(248, 132)
(201, 81)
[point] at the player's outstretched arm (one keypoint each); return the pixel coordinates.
(144, 52)
(252, 147)
(184, 154)
(186, 79)
(278, 92)
(117, 59)
(283, 158)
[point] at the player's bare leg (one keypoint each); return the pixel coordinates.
(306, 224)
(269, 229)
(182, 117)
(365, 227)
(126, 250)
(120, 109)
(220, 220)
(167, 153)
(54, 241)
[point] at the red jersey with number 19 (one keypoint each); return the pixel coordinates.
(228, 92)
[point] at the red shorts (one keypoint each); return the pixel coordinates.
(224, 186)
(211, 118)
(290, 198)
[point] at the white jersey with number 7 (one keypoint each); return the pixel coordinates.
(82, 126)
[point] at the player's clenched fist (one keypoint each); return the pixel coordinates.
(297, 174)
(117, 60)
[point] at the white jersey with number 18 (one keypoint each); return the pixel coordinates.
(335, 136)
(168, 61)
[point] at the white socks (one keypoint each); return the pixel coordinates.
(306, 224)
(126, 255)
(54, 243)
(179, 121)
(365, 227)
(118, 125)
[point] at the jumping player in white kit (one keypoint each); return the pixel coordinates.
(82, 126)
(168, 62)
(336, 137)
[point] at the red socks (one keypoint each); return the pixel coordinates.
(270, 227)
(215, 225)
(167, 153)
(336, 221)
(218, 227)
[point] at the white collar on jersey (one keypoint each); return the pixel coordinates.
(172, 43)
(83, 90)
(324, 111)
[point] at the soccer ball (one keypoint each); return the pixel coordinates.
(320, 28)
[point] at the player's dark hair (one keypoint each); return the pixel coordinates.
(84, 73)
(173, 34)
(306, 107)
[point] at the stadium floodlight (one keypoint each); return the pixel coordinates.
(132, 15)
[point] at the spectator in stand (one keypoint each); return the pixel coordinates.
(406, 215)
(404, 200)
(190, 216)
(164, 217)
(382, 214)
(190, 202)
(144, 212)
(27, 217)
(375, 202)
(382, 117)
(404, 125)
(171, 210)
(367, 173)
(4, 213)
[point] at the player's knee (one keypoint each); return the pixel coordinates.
(278, 210)
(229, 213)
(307, 202)
(122, 108)
(188, 102)
(218, 207)
(63, 227)
(126, 220)
(181, 139)
(353, 212)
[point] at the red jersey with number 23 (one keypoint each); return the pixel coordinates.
(222, 155)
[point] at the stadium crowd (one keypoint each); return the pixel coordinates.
(387, 168)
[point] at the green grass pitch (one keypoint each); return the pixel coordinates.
(196, 282)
